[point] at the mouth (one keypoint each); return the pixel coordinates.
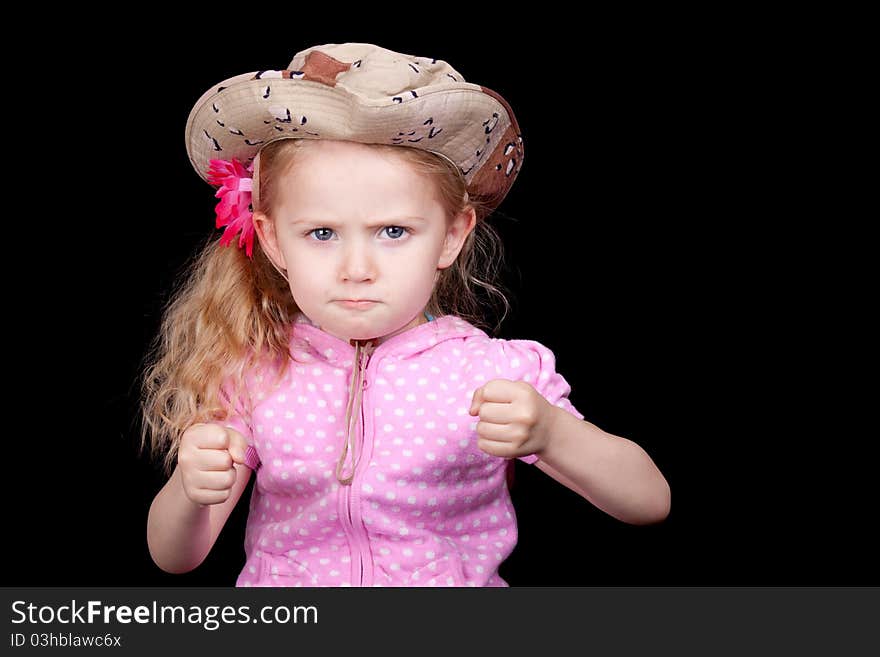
(356, 303)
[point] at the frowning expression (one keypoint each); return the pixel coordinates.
(362, 236)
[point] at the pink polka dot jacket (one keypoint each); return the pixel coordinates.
(425, 507)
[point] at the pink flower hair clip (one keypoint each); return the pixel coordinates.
(234, 209)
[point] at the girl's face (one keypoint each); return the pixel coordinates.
(362, 238)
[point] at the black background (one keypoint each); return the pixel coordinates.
(647, 249)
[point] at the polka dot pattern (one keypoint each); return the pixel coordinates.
(427, 507)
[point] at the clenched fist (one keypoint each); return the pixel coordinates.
(514, 418)
(206, 459)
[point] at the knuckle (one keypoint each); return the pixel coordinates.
(197, 435)
(213, 432)
(185, 457)
(188, 438)
(492, 386)
(219, 434)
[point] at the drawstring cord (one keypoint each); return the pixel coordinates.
(363, 349)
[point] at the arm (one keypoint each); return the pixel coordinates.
(613, 473)
(181, 533)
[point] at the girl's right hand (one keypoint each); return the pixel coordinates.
(206, 459)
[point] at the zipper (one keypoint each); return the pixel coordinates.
(354, 503)
(357, 565)
(349, 500)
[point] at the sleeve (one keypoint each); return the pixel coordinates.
(532, 362)
(239, 419)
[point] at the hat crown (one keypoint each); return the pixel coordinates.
(373, 72)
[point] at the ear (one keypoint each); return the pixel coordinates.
(456, 234)
(265, 229)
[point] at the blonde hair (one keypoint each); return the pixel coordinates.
(229, 313)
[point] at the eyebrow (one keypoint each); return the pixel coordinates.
(393, 221)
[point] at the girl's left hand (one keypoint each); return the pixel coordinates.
(514, 418)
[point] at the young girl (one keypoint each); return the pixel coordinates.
(337, 353)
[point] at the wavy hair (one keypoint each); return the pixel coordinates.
(228, 313)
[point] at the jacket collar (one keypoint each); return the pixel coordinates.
(310, 343)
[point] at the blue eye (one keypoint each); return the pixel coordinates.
(327, 231)
(326, 234)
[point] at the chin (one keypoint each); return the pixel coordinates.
(355, 330)
(358, 331)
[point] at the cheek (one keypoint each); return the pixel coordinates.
(413, 267)
(305, 268)
(296, 250)
(419, 270)
(427, 253)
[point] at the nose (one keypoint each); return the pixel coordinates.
(358, 264)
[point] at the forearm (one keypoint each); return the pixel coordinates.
(178, 529)
(613, 473)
